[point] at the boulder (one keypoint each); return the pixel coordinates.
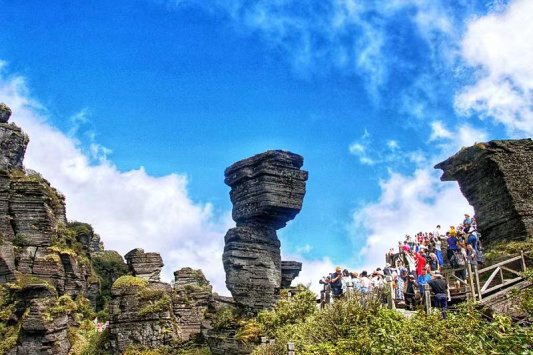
(147, 266)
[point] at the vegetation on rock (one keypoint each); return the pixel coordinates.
(127, 281)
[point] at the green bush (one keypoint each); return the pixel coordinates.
(361, 325)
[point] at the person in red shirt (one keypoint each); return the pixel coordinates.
(420, 258)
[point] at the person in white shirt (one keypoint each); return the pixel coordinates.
(366, 285)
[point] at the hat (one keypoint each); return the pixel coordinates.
(411, 277)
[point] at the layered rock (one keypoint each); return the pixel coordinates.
(42, 331)
(37, 243)
(192, 303)
(267, 191)
(13, 143)
(147, 266)
(141, 314)
(497, 180)
(289, 271)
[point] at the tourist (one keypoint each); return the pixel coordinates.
(467, 222)
(440, 288)
(471, 255)
(437, 232)
(356, 281)
(409, 292)
(452, 247)
(420, 262)
(411, 262)
(346, 280)
(422, 280)
(336, 283)
(433, 262)
(438, 250)
(399, 282)
(377, 278)
(366, 285)
(473, 240)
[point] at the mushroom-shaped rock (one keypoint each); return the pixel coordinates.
(267, 191)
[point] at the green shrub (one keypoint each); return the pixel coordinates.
(128, 281)
(361, 325)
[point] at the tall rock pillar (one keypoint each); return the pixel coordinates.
(267, 191)
(497, 180)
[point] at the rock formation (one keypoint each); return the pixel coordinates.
(192, 303)
(153, 314)
(42, 256)
(141, 314)
(497, 180)
(147, 266)
(289, 271)
(267, 191)
(42, 330)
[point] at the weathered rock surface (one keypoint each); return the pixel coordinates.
(13, 143)
(289, 271)
(267, 188)
(41, 332)
(37, 243)
(192, 301)
(141, 314)
(252, 263)
(147, 266)
(267, 191)
(5, 113)
(497, 180)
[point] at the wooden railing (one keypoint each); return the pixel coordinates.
(498, 279)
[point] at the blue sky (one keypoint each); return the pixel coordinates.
(154, 99)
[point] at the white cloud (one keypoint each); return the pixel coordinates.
(127, 208)
(439, 131)
(500, 49)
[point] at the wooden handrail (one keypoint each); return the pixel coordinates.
(480, 271)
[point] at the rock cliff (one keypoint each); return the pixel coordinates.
(267, 191)
(497, 180)
(45, 260)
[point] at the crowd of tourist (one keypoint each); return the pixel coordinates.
(418, 262)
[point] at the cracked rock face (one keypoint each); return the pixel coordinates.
(192, 300)
(497, 180)
(267, 191)
(147, 266)
(39, 334)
